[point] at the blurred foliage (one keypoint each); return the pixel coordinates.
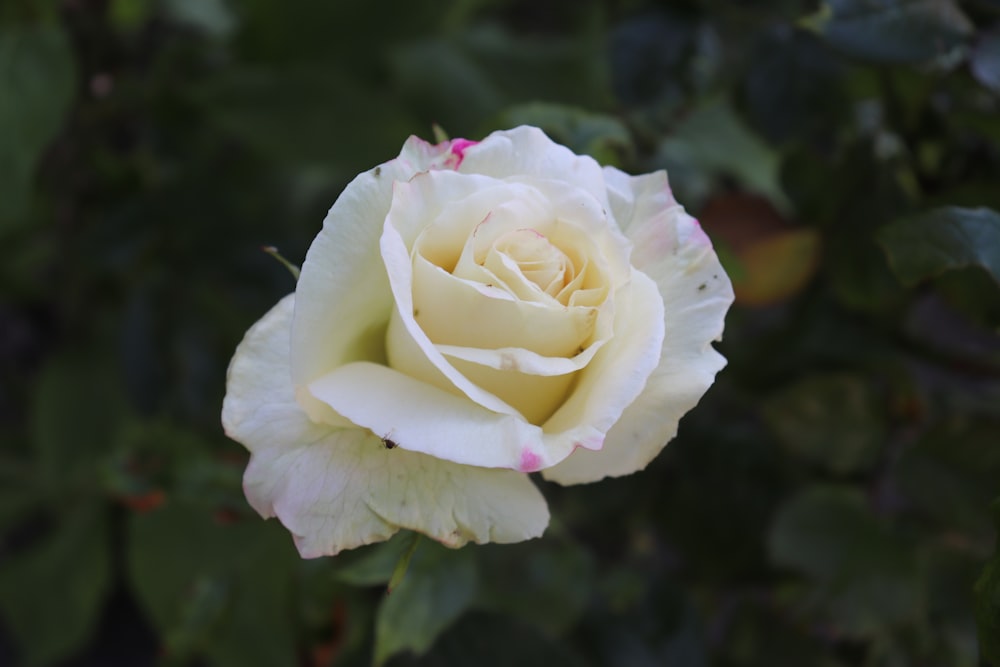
(828, 503)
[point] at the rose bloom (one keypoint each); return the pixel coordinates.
(472, 312)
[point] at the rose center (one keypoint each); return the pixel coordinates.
(528, 254)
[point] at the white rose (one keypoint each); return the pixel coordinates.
(472, 312)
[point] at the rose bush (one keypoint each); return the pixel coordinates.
(472, 312)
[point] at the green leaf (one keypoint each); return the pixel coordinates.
(654, 625)
(36, 90)
(439, 587)
(896, 31)
(603, 137)
(19, 489)
(944, 239)
(867, 195)
(866, 580)
(16, 501)
(129, 15)
(51, 594)
(308, 114)
(210, 16)
(372, 565)
(713, 142)
(547, 583)
(988, 601)
(952, 571)
(403, 565)
(794, 88)
(758, 634)
(647, 56)
(492, 640)
(460, 81)
(829, 420)
(75, 416)
(298, 31)
(985, 61)
(210, 585)
(951, 475)
(814, 531)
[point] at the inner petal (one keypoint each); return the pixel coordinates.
(503, 208)
(509, 274)
(456, 311)
(538, 260)
(536, 397)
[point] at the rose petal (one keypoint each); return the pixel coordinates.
(521, 360)
(423, 418)
(251, 417)
(453, 311)
(348, 490)
(423, 155)
(618, 372)
(427, 296)
(535, 397)
(408, 346)
(336, 489)
(335, 321)
(446, 207)
(570, 217)
(527, 383)
(637, 198)
(526, 152)
(673, 251)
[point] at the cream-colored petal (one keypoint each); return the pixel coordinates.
(423, 155)
(568, 216)
(521, 360)
(576, 210)
(535, 397)
(343, 294)
(618, 372)
(453, 311)
(423, 418)
(337, 488)
(696, 294)
(348, 489)
(414, 349)
(344, 299)
(635, 199)
(510, 273)
(445, 207)
(527, 152)
(439, 213)
(261, 362)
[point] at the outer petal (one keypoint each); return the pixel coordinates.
(527, 152)
(335, 321)
(634, 199)
(259, 410)
(423, 418)
(673, 250)
(337, 489)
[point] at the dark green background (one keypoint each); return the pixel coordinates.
(828, 502)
